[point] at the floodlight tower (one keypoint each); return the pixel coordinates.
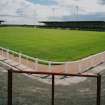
(34, 17)
(72, 12)
(53, 12)
(76, 11)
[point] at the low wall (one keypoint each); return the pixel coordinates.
(49, 66)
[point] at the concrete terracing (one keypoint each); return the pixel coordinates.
(24, 62)
(21, 63)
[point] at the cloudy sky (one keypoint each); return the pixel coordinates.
(31, 11)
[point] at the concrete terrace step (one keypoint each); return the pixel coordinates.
(97, 69)
(2, 58)
(11, 62)
(58, 69)
(64, 80)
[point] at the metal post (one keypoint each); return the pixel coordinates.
(91, 61)
(99, 89)
(36, 64)
(49, 66)
(2, 52)
(66, 67)
(7, 53)
(26, 58)
(103, 58)
(20, 58)
(9, 87)
(53, 88)
(79, 67)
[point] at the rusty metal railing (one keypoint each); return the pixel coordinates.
(11, 71)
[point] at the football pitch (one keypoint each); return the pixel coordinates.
(52, 44)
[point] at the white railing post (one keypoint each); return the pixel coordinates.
(2, 52)
(91, 61)
(103, 58)
(79, 67)
(66, 67)
(49, 66)
(36, 64)
(26, 58)
(20, 56)
(7, 55)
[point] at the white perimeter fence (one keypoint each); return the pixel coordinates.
(43, 65)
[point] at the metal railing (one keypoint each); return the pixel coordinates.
(11, 71)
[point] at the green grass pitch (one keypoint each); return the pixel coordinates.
(52, 44)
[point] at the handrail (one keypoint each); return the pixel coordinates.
(13, 69)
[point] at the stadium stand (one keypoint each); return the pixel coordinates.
(80, 25)
(1, 21)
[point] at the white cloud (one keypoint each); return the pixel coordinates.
(26, 10)
(30, 13)
(88, 6)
